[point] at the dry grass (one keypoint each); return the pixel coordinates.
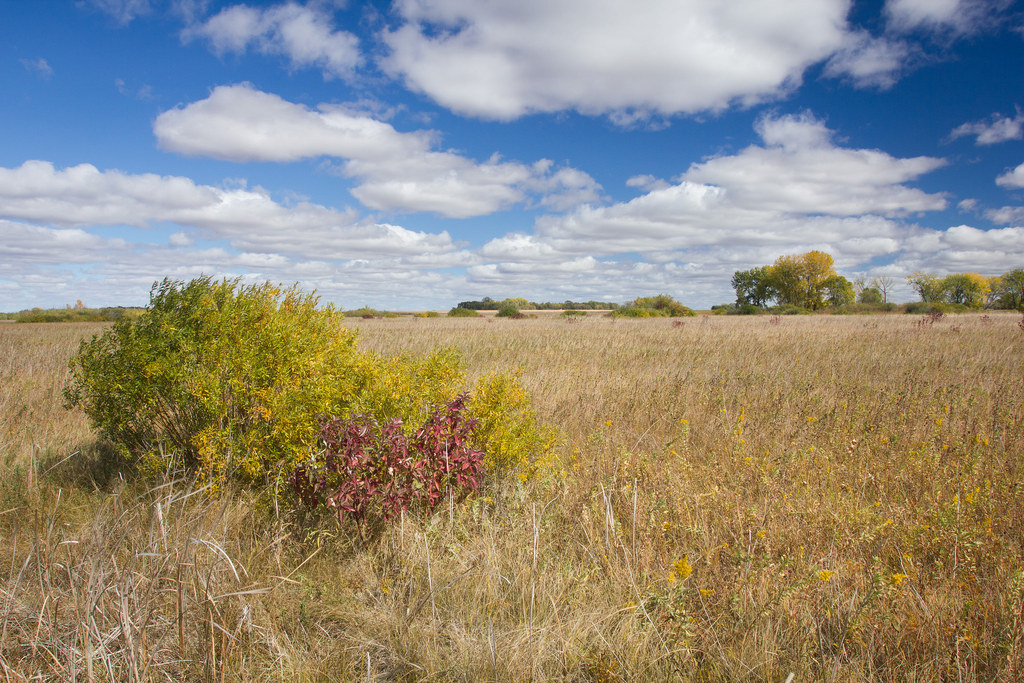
(734, 499)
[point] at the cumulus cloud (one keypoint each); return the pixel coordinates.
(1007, 215)
(997, 129)
(964, 247)
(799, 170)
(303, 34)
(248, 218)
(868, 61)
(796, 191)
(397, 171)
(504, 60)
(1013, 179)
(958, 17)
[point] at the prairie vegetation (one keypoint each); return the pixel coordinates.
(838, 497)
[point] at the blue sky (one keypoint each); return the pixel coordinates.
(413, 154)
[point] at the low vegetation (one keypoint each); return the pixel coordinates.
(736, 498)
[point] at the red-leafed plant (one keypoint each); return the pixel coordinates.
(367, 468)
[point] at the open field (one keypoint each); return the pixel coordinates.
(731, 498)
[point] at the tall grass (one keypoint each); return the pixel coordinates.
(732, 498)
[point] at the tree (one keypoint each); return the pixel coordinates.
(870, 295)
(799, 279)
(967, 289)
(1009, 293)
(883, 284)
(838, 291)
(753, 286)
(928, 286)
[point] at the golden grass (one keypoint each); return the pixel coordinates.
(840, 498)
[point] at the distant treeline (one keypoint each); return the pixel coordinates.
(72, 315)
(489, 304)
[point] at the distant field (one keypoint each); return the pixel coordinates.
(731, 498)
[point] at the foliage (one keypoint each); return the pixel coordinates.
(508, 431)
(1008, 290)
(753, 286)
(489, 304)
(367, 468)
(869, 295)
(838, 291)
(231, 379)
(971, 290)
(574, 314)
(927, 286)
(508, 310)
(460, 312)
(367, 312)
(806, 280)
(77, 314)
(660, 306)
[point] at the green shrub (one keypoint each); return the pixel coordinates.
(574, 314)
(460, 312)
(232, 380)
(508, 310)
(661, 306)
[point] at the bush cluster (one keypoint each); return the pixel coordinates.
(661, 306)
(234, 381)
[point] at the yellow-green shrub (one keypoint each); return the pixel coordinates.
(508, 432)
(232, 379)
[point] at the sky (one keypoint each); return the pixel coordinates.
(412, 154)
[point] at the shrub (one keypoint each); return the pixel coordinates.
(661, 306)
(231, 379)
(508, 432)
(460, 312)
(574, 314)
(368, 469)
(508, 310)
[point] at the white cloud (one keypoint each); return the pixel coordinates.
(869, 61)
(40, 67)
(1007, 215)
(799, 170)
(303, 34)
(504, 60)
(1013, 179)
(397, 171)
(249, 218)
(124, 11)
(964, 248)
(796, 192)
(997, 129)
(944, 16)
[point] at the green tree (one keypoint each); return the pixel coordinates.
(967, 289)
(1009, 292)
(928, 287)
(753, 286)
(838, 291)
(870, 295)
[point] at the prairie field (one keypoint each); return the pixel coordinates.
(840, 498)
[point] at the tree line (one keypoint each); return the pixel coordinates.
(810, 281)
(1004, 291)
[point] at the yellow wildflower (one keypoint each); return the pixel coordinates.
(682, 568)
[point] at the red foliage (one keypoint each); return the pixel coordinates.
(368, 468)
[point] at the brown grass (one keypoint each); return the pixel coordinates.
(840, 498)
